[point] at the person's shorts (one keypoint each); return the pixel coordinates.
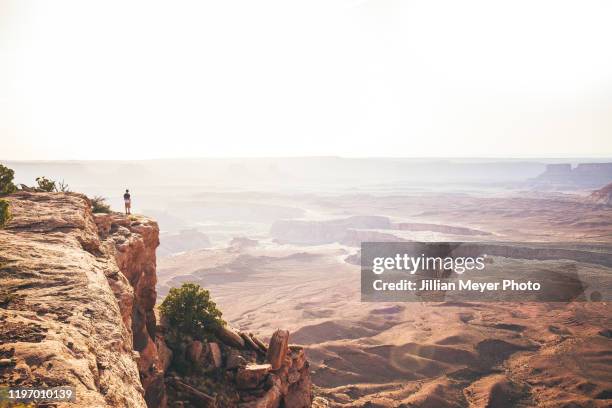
(127, 203)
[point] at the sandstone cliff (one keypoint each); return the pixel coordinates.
(132, 242)
(77, 299)
(66, 305)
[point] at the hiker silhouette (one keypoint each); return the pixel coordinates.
(127, 200)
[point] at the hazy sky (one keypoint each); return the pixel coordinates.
(122, 80)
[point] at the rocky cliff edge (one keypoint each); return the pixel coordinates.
(77, 299)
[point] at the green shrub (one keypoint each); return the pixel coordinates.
(6, 180)
(5, 213)
(46, 184)
(190, 312)
(99, 205)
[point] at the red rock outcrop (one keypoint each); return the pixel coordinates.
(132, 242)
(77, 298)
(228, 374)
(65, 302)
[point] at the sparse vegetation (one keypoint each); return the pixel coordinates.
(6, 180)
(99, 205)
(190, 311)
(5, 213)
(61, 186)
(45, 184)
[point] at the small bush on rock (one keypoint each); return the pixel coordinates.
(99, 205)
(190, 312)
(6, 180)
(45, 184)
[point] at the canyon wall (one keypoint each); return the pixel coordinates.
(132, 242)
(65, 304)
(77, 308)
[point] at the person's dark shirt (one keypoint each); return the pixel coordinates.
(126, 196)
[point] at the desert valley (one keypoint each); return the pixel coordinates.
(289, 258)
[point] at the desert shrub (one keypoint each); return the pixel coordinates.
(62, 186)
(5, 213)
(99, 205)
(6, 180)
(190, 311)
(46, 184)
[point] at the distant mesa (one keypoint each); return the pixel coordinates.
(584, 175)
(602, 196)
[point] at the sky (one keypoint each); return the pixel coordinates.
(140, 80)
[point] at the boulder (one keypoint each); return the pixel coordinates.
(252, 376)
(216, 358)
(259, 343)
(250, 344)
(234, 360)
(230, 337)
(277, 350)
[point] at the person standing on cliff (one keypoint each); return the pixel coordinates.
(127, 200)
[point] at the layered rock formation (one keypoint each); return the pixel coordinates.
(132, 242)
(240, 371)
(77, 299)
(584, 175)
(66, 306)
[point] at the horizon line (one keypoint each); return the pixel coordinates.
(423, 158)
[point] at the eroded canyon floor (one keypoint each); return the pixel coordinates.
(444, 354)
